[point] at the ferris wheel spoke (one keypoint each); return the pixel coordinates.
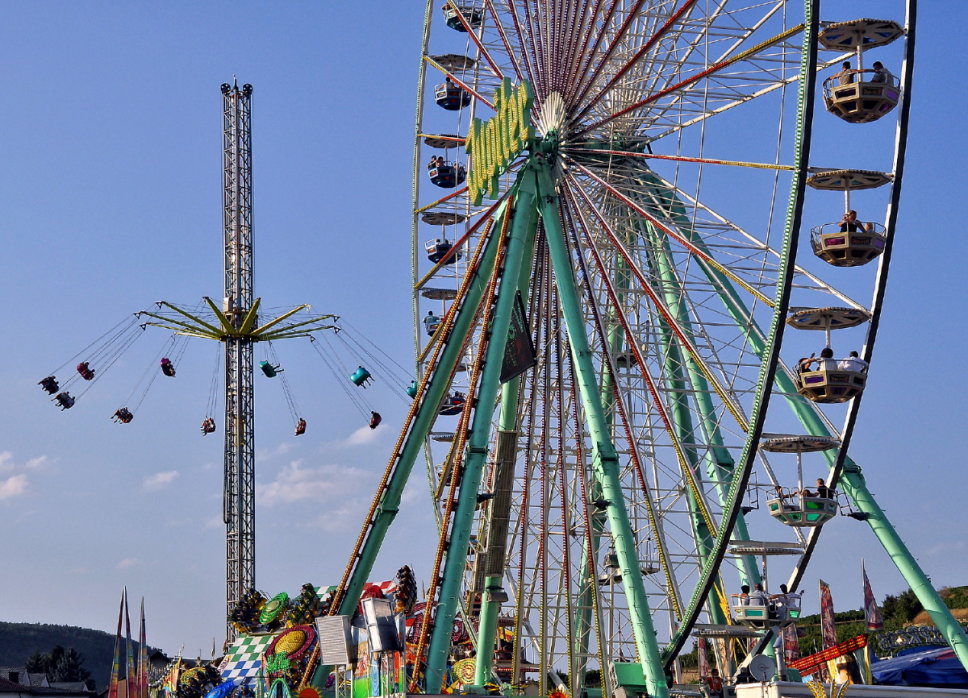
(689, 81)
(457, 81)
(664, 311)
(671, 233)
(623, 414)
(606, 56)
(509, 52)
(621, 71)
(579, 149)
(469, 29)
(800, 272)
(585, 57)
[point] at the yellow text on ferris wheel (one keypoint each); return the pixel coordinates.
(494, 143)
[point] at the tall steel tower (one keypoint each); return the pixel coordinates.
(239, 492)
(236, 324)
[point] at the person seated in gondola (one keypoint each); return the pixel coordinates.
(208, 425)
(823, 491)
(65, 400)
(881, 74)
(852, 363)
(123, 415)
(453, 404)
(431, 322)
(375, 420)
(439, 249)
(87, 373)
(435, 162)
(167, 367)
(850, 224)
(50, 385)
(300, 427)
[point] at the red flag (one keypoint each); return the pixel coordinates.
(827, 629)
(116, 664)
(871, 614)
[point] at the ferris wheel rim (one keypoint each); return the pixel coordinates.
(751, 443)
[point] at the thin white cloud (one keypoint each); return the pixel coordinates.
(159, 481)
(128, 562)
(343, 518)
(282, 449)
(327, 482)
(14, 486)
(948, 548)
(38, 463)
(363, 435)
(6, 462)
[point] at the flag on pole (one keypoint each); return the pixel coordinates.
(116, 664)
(791, 643)
(871, 614)
(131, 683)
(703, 659)
(827, 630)
(142, 656)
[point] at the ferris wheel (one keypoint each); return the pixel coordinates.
(621, 244)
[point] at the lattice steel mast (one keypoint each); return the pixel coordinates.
(239, 491)
(236, 324)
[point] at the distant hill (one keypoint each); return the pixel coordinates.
(18, 641)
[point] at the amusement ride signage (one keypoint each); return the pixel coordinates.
(494, 143)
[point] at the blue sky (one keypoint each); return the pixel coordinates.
(110, 135)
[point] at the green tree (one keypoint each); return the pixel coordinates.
(58, 664)
(900, 610)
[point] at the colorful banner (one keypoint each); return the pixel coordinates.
(116, 664)
(703, 659)
(871, 614)
(827, 629)
(142, 656)
(791, 644)
(130, 682)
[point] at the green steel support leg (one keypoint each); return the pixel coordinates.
(495, 553)
(588, 572)
(853, 483)
(519, 243)
(424, 420)
(855, 487)
(604, 458)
